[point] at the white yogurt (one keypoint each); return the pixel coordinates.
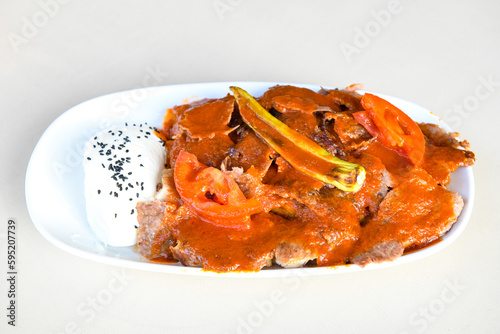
(123, 165)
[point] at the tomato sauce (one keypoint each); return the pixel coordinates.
(398, 201)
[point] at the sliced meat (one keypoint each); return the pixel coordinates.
(340, 227)
(458, 205)
(381, 252)
(251, 151)
(292, 255)
(350, 132)
(186, 255)
(174, 116)
(419, 210)
(202, 129)
(288, 103)
(267, 99)
(444, 153)
(194, 257)
(437, 136)
(154, 237)
(396, 165)
(347, 100)
(209, 119)
(209, 151)
(415, 213)
(287, 182)
(329, 142)
(377, 183)
(306, 124)
(236, 250)
(392, 249)
(441, 161)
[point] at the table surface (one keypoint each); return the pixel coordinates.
(441, 55)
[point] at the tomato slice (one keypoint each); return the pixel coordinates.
(212, 194)
(393, 128)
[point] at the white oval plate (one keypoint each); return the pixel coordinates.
(55, 175)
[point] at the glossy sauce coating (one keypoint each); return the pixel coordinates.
(303, 219)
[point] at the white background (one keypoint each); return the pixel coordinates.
(441, 55)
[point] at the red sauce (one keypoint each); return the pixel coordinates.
(413, 249)
(398, 201)
(163, 260)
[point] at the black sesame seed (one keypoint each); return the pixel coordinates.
(98, 191)
(136, 226)
(88, 158)
(132, 212)
(116, 194)
(116, 215)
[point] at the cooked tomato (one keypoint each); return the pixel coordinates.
(393, 128)
(212, 194)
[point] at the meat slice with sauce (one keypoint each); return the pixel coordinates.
(154, 237)
(444, 153)
(415, 213)
(292, 255)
